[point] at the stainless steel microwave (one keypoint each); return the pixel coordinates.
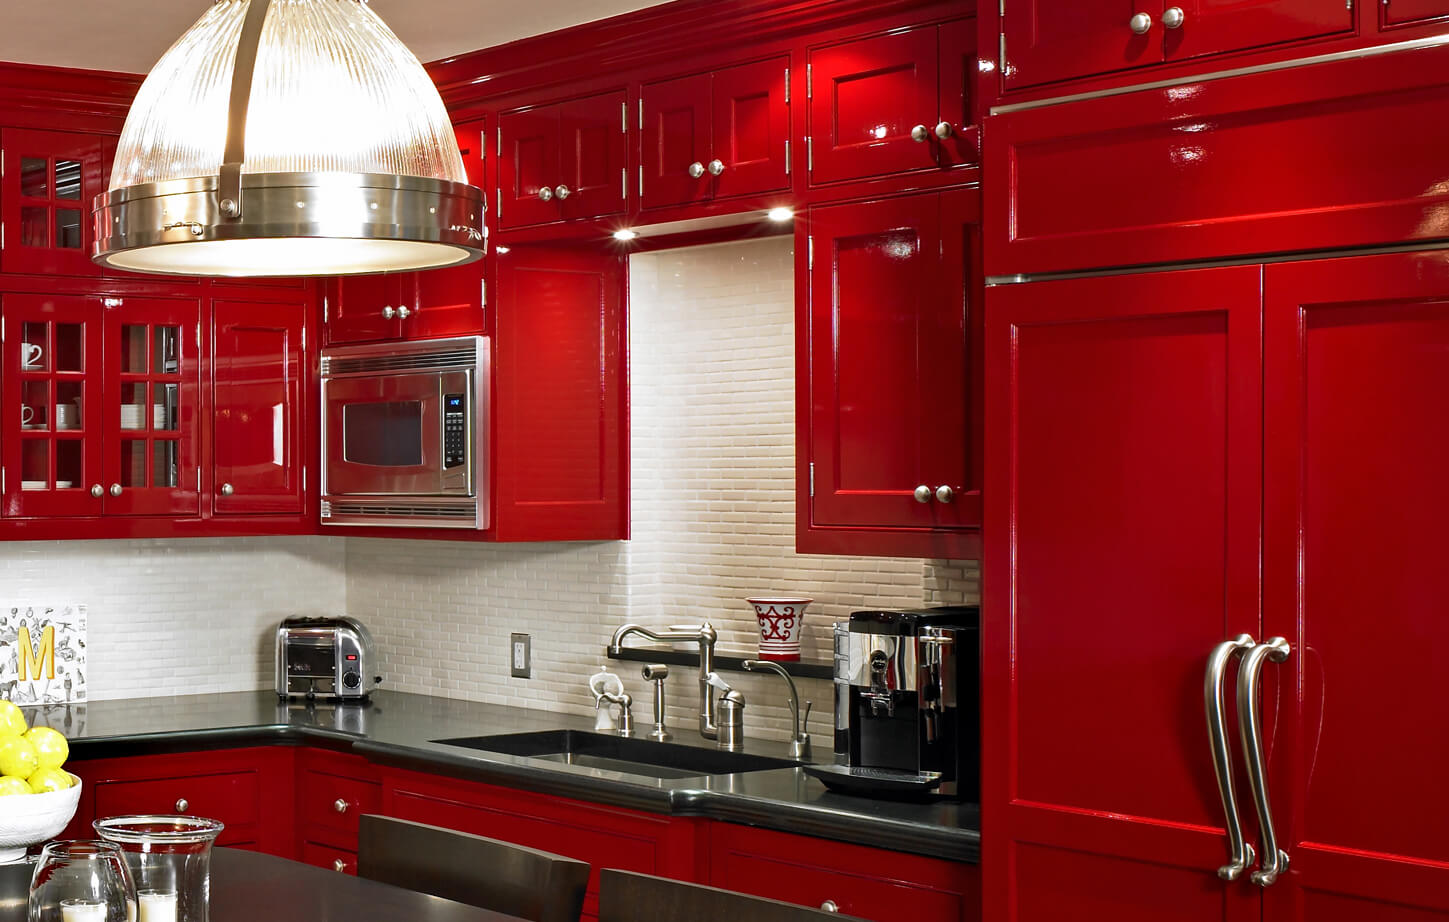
(404, 430)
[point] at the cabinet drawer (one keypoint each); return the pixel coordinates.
(333, 859)
(853, 894)
(229, 797)
(335, 802)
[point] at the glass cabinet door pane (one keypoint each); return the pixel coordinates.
(133, 405)
(133, 349)
(33, 179)
(69, 347)
(68, 228)
(165, 407)
(35, 465)
(34, 346)
(164, 350)
(133, 462)
(69, 400)
(68, 179)
(69, 470)
(34, 226)
(166, 459)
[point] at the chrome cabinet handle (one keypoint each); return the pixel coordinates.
(403, 313)
(1240, 853)
(829, 906)
(1139, 23)
(716, 167)
(696, 169)
(945, 494)
(182, 805)
(98, 491)
(944, 130)
(1273, 861)
(920, 133)
(545, 194)
(388, 313)
(339, 865)
(923, 494)
(562, 192)
(340, 805)
(115, 489)
(1173, 17)
(227, 489)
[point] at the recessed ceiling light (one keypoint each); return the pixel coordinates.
(781, 214)
(625, 234)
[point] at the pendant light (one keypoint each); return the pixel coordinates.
(288, 137)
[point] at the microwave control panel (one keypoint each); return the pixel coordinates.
(455, 430)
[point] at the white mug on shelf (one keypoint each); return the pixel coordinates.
(30, 354)
(66, 416)
(26, 415)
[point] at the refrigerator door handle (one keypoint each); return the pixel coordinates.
(1274, 861)
(1240, 853)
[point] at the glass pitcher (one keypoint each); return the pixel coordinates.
(170, 862)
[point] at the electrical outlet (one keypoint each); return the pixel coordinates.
(522, 656)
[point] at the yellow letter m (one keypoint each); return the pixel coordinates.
(35, 662)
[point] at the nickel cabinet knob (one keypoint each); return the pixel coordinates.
(340, 805)
(339, 866)
(696, 169)
(545, 194)
(829, 906)
(924, 493)
(1141, 22)
(944, 130)
(403, 313)
(182, 805)
(945, 494)
(920, 133)
(115, 489)
(227, 489)
(716, 167)
(1173, 17)
(98, 491)
(562, 192)
(388, 313)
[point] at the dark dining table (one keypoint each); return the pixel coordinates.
(249, 886)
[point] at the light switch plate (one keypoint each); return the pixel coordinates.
(521, 656)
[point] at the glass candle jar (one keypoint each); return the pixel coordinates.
(170, 863)
(80, 881)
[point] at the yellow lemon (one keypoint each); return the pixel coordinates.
(9, 784)
(17, 757)
(50, 746)
(48, 779)
(12, 719)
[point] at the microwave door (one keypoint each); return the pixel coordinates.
(382, 435)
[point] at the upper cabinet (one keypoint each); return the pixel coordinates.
(563, 161)
(49, 180)
(715, 135)
(891, 103)
(1046, 42)
(1405, 12)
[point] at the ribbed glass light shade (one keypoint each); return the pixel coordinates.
(343, 123)
(334, 90)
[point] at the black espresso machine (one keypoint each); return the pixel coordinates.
(909, 684)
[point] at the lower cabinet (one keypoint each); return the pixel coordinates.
(333, 791)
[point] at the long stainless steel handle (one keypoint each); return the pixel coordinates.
(1240, 853)
(1273, 860)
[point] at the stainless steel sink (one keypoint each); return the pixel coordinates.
(620, 754)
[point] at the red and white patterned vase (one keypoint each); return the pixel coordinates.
(780, 620)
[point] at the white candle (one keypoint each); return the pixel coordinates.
(130, 911)
(156, 906)
(82, 911)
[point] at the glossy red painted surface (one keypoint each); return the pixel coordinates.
(560, 426)
(578, 144)
(1401, 12)
(959, 75)
(333, 790)
(676, 134)
(860, 881)
(355, 307)
(1048, 41)
(1247, 165)
(450, 301)
(45, 199)
(891, 374)
(1123, 494)
(258, 410)
(1215, 26)
(1357, 423)
(750, 128)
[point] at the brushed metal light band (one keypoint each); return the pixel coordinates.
(349, 206)
(244, 68)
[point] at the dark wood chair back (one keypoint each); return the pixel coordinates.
(628, 897)
(471, 869)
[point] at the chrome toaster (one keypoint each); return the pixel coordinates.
(325, 658)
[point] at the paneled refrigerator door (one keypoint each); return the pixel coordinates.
(1123, 497)
(1357, 422)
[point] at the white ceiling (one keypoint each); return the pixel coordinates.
(129, 35)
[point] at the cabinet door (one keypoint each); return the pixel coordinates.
(153, 386)
(888, 366)
(1214, 26)
(362, 308)
(751, 125)
(560, 433)
(958, 66)
(1047, 41)
(866, 97)
(52, 405)
(450, 301)
(1401, 12)
(1357, 422)
(530, 163)
(676, 136)
(1123, 494)
(593, 156)
(257, 443)
(45, 199)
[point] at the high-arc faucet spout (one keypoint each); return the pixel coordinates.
(705, 635)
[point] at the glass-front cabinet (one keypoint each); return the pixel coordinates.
(48, 183)
(99, 406)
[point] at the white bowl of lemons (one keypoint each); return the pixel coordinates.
(38, 796)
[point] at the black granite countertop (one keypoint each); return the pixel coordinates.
(398, 729)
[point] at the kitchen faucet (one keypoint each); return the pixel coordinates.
(799, 736)
(705, 635)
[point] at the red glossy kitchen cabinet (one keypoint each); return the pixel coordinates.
(560, 433)
(851, 879)
(49, 180)
(258, 400)
(450, 302)
(101, 401)
(876, 104)
(1357, 442)
(1046, 42)
(1405, 12)
(362, 308)
(605, 837)
(333, 790)
(715, 135)
(889, 376)
(1123, 491)
(565, 160)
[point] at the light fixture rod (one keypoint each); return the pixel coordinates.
(228, 188)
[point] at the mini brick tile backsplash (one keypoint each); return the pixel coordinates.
(178, 617)
(713, 521)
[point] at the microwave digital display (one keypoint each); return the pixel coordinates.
(383, 434)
